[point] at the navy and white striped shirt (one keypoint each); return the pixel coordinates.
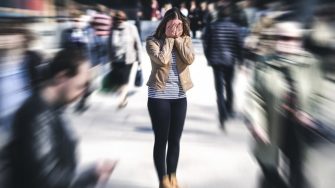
(173, 89)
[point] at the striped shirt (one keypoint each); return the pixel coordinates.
(173, 89)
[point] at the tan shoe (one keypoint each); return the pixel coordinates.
(173, 180)
(165, 183)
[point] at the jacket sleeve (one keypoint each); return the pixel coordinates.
(158, 54)
(49, 166)
(185, 49)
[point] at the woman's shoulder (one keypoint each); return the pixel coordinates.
(151, 38)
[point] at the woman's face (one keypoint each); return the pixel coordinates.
(174, 28)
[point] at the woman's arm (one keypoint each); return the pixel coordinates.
(158, 54)
(185, 49)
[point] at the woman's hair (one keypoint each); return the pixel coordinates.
(173, 13)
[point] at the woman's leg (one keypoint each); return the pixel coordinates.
(159, 110)
(178, 114)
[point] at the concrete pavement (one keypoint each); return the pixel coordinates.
(209, 158)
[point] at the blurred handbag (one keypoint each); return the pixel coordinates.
(139, 77)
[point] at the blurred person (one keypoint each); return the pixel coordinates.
(171, 52)
(203, 14)
(165, 8)
(125, 55)
(13, 91)
(309, 128)
(79, 36)
(155, 13)
(316, 114)
(289, 47)
(92, 35)
(280, 80)
(238, 15)
(211, 13)
(195, 18)
(20, 76)
(250, 12)
(20, 70)
(241, 19)
(138, 23)
(263, 116)
(42, 150)
(100, 23)
(183, 9)
(36, 64)
(139, 17)
(222, 48)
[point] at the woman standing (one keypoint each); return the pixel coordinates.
(171, 52)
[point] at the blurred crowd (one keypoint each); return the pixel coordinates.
(286, 49)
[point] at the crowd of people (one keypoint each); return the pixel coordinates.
(38, 146)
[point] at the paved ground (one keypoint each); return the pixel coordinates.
(209, 158)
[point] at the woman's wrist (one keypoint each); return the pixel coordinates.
(179, 39)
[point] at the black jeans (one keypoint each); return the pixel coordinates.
(223, 77)
(167, 118)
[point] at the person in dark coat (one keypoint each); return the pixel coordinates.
(222, 49)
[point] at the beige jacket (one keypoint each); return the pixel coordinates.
(159, 52)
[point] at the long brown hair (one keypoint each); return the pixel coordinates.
(173, 13)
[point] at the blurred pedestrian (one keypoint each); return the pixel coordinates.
(14, 88)
(20, 69)
(43, 148)
(165, 8)
(203, 14)
(81, 35)
(155, 13)
(183, 9)
(125, 55)
(139, 16)
(78, 34)
(171, 52)
(195, 18)
(222, 49)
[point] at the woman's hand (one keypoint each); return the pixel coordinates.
(174, 28)
(179, 30)
(169, 30)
